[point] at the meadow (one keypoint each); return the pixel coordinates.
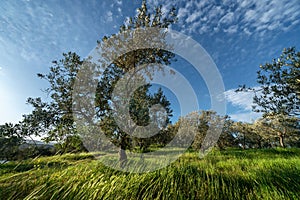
(228, 174)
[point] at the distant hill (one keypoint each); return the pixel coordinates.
(37, 143)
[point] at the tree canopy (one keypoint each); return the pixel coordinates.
(279, 85)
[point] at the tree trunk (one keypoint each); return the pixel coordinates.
(281, 140)
(122, 156)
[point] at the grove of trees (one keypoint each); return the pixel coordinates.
(277, 97)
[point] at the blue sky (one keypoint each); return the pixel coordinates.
(239, 36)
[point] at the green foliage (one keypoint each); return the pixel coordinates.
(268, 131)
(278, 98)
(13, 145)
(278, 126)
(209, 122)
(279, 82)
(139, 111)
(140, 104)
(72, 144)
(129, 62)
(248, 136)
(55, 117)
(10, 140)
(231, 174)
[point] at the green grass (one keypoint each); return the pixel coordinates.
(231, 174)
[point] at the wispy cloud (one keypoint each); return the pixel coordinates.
(109, 17)
(243, 101)
(41, 32)
(228, 18)
(117, 6)
(264, 16)
(118, 2)
(254, 17)
(231, 29)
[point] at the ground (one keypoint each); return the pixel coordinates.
(229, 174)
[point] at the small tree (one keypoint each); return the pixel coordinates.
(279, 90)
(54, 118)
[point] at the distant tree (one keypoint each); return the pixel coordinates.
(40, 120)
(226, 138)
(204, 118)
(279, 90)
(278, 126)
(240, 133)
(248, 135)
(210, 120)
(10, 140)
(185, 129)
(72, 144)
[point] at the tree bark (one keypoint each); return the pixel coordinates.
(281, 140)
(122, 156)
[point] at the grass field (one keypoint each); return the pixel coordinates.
(230, 174)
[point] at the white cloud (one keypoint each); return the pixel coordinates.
(246, 31)
(193, 17)
(203, 29)
(119, 10)
(245, 3)
(269, 15)
(182, 12)
(116, 3)
(231, 29)
(254, 17)
(287, 28)
(109, 16)
(242, 100)
(214, 14)
(28, 55)
(227, 19)
(119, 2)
(250, 16)
(245, 116)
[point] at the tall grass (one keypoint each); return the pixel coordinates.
(232, 174)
